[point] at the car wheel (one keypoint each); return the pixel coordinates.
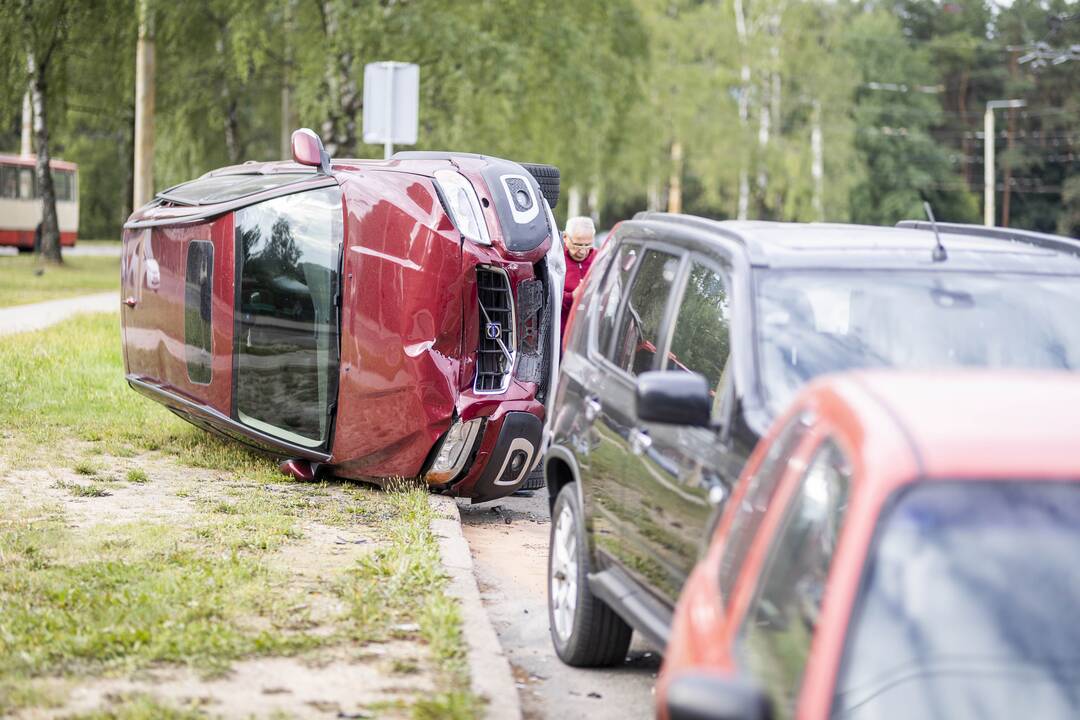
(585, 631)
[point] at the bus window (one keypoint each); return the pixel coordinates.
(63, 182)
(27, 184)
(9, 182)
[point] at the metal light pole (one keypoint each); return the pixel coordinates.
(988, 155)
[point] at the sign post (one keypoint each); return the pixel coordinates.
(391, 104)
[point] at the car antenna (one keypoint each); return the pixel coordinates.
(939, 250)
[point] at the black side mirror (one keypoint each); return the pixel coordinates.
(674, 397)
(713, 697)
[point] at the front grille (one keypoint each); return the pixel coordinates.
(495, 353)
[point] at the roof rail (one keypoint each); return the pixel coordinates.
(1030, 237)
(691, 221)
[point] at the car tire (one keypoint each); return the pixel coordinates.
(547, 177)
(585, 631)
(535, 479)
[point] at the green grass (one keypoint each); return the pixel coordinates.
(20, 282)
(78, 602)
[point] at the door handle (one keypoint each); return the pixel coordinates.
(640, 441)
(592, 407)
(130, 301)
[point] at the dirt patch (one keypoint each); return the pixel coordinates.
(340, 679)
(333, 683)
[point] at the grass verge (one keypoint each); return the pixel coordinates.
(89, 589)
(23, 279)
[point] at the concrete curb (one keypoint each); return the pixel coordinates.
(489, 669)
(36, 316)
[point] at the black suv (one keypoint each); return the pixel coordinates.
(691, 335)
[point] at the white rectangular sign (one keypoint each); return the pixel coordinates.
(391, 102)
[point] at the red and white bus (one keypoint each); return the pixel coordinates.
(20, 201)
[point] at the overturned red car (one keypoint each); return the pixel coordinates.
(371, 319)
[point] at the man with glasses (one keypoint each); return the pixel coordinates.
(578, 246)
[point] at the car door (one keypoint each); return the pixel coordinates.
(799, 535)
(623, 497)
(691, 470)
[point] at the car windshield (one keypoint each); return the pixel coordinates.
(815, 322)
(967, 607)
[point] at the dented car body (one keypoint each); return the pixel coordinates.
(373, 319)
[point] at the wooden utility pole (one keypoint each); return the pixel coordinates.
(287, 122)
(1010, 144)
(674, 198)
(143, 190)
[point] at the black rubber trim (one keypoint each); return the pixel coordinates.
(641, 610)
(515, 426)
(222, 423)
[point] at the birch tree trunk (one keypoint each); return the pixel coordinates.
(26, 146)
(744, 110)
(50, 226)
(817, 163)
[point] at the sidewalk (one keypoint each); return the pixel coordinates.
(22, 318)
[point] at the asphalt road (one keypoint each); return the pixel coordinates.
(509, 541)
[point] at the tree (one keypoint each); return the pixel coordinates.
(42, 29)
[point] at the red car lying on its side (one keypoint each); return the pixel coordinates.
(376, 319)
(899, 546)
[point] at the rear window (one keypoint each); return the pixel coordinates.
(223, 188)
(968, 607)
(198, 300)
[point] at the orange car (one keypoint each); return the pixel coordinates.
(899, 546)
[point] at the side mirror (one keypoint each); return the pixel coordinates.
(307, 149)
(714, 697)
(674, 397)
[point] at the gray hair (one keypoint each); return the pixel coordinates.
(580, 223)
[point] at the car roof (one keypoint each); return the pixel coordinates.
(909, 245)
(962, 424)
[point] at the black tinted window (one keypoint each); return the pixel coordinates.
(700, 343)
(615, 284)
(637, 342)
(968, 607)
(288, 251)
(198, 299)
(783, 616)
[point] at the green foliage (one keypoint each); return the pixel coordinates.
(604, 90)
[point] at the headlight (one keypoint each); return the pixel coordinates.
(454, 451)
(464, 205)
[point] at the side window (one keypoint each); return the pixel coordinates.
(62, 185)
(9, 182)
(754, 503)
(781, 621)
(701, 341)
(27, 184)
(198, 297)
(617, 278)
(637, 341)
